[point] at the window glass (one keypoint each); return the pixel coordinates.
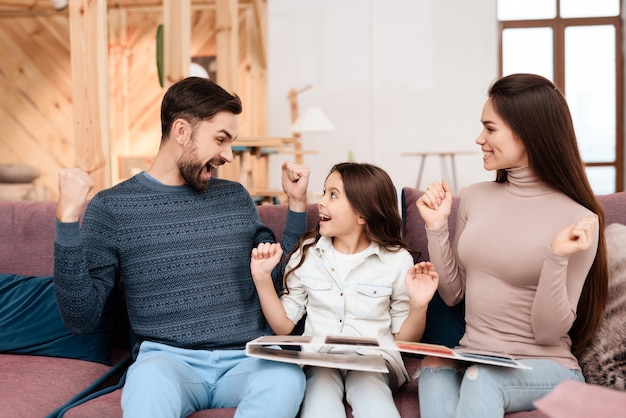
(588, 8)
(590, 86)
(527, 50)
(526, 9)
(602, 179)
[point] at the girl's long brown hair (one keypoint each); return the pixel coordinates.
(371, 192)
(538, 114)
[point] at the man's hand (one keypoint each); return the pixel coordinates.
(295, 180)
(74, 187)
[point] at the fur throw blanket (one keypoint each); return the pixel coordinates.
(604, 361)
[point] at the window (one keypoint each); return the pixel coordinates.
(577, 44)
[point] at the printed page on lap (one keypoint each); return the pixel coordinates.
(367, 363)
(339, 352)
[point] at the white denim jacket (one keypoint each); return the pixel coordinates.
(371, 301)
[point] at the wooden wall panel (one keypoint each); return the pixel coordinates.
(36, 94)
(36, 111)
(144, 90)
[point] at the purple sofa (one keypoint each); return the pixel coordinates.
(46, 372)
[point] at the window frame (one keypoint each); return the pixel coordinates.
(558, 25)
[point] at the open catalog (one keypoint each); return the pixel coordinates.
(339, 352)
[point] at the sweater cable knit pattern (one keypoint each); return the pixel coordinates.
(184, 260)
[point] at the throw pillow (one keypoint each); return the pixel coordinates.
(604, 360)
(31, 323)
(445, 324)
(17, 173)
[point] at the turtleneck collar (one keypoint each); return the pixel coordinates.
(523, 182)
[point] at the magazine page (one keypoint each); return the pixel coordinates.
(461, 354)
(325, 358)
(349, 361)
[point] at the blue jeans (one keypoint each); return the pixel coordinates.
(173, 382)
(483, 391)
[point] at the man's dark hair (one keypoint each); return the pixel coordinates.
(195, 99)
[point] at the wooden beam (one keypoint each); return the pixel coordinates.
(260, 16)
(227, 44)
(88, 46)
(253, 71)
(119, 66)
(176, 40)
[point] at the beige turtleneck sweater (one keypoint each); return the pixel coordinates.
(520, 297)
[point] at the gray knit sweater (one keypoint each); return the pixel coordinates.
(184, 259)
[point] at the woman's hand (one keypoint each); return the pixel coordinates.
(575, 237)
(435, 205)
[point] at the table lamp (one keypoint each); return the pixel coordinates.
(313, 120)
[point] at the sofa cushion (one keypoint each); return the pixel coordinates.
(604, 360)
(108, 406)
(27, 244)
(30, 323)
(444, 324)
(35, 386)
(274, 216)
(571, 399)
(18, 173)
(614, 208)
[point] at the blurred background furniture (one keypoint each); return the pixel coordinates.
(18, 183)
(251, 164)
(251, 155)
(447, 165)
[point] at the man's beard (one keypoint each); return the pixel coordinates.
(191, 169)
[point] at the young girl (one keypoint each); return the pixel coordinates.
(354, 276)
(528, 256)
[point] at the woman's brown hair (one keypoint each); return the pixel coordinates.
(538, 114)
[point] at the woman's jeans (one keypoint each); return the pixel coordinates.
(484, 391)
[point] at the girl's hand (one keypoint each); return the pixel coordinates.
(421, 283)
(295, 182)
(575, 237)
(435, 205)
(264, 258)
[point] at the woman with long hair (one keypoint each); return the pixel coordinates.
(528, 257)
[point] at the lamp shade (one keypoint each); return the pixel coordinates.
(198, 70)
(59, 4)
(313, 120)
